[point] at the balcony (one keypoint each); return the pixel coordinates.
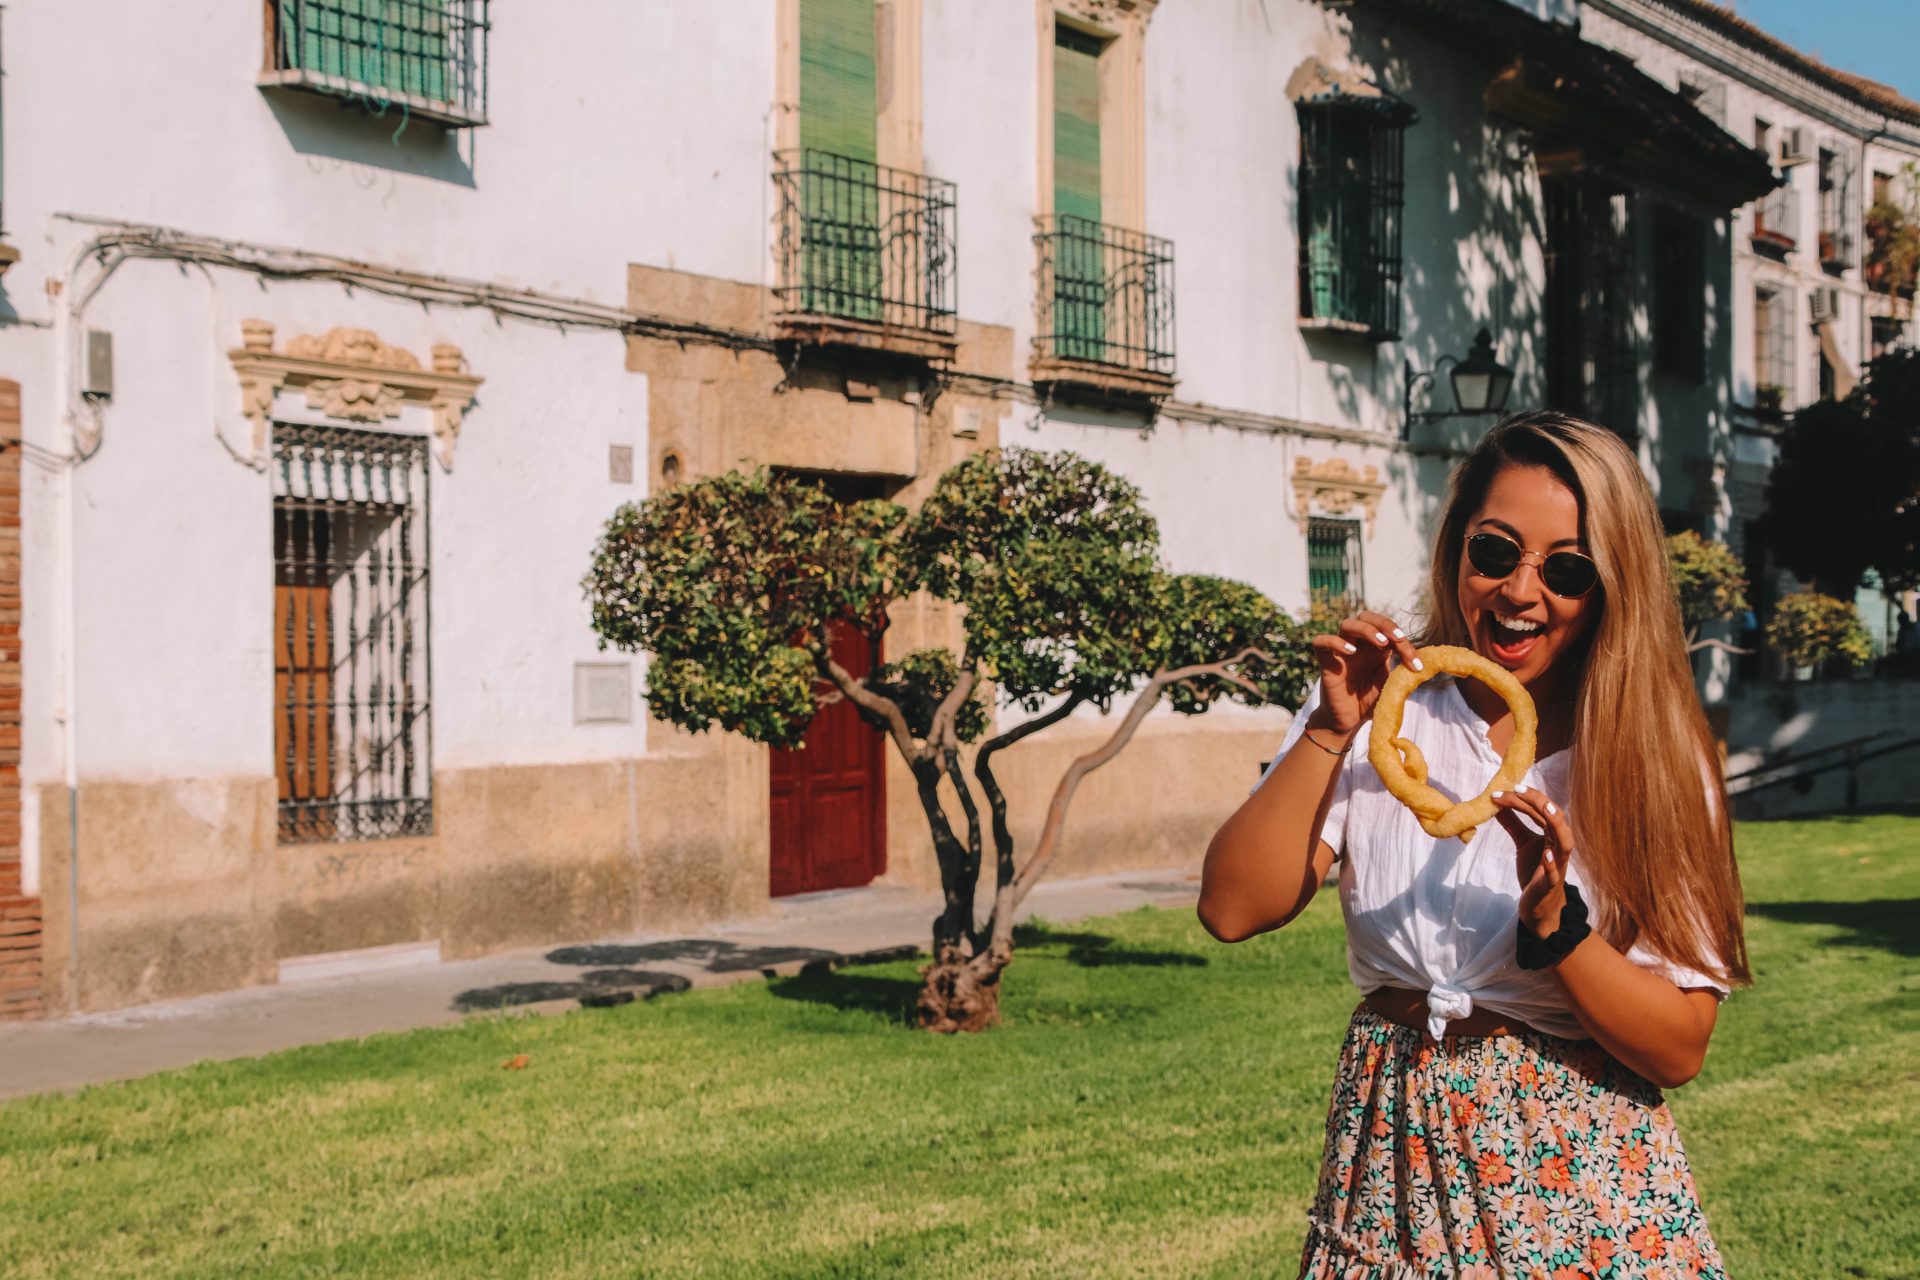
(425, 58)
(1105, 309)
(1776, 222)
(865, 256)
(1836, 250)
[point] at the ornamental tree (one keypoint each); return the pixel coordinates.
(1845, 494)
(732, 583)
(1710, 585)
(1810, 630)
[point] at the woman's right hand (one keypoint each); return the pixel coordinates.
(1353, 669)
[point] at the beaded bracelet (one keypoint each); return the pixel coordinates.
(1308, 735)
(1531, 951)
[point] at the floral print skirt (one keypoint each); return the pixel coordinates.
(1521, 1156)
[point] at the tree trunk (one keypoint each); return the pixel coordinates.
(961, 993)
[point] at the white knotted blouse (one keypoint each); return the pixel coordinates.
(1438, 915)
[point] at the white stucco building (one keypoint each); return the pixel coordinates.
(335, 355)
(1809, 308)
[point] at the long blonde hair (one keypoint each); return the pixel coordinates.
(1647, 802)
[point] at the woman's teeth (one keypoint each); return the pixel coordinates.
(1518, 626)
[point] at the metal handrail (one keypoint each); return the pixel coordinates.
(1800, 757)
(1854, 758)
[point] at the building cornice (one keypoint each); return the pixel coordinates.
(1701, 40)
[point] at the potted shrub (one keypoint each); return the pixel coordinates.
(1811, 631)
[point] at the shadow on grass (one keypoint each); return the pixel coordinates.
(1844, 817)
(600, 986)
(895, 999)
(892, 999)
(1096, 950)
(1886, 923)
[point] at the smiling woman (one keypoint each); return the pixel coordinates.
(1497, 1109)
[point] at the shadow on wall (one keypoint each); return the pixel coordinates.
(1471, 215)
(362, 140)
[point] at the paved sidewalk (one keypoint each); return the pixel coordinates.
(825, 929)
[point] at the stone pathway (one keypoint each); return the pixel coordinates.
(823, 930)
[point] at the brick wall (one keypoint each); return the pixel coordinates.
(19, 915)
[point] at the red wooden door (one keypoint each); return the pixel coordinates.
(828, 802)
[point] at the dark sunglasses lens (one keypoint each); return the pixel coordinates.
(1492, 554)
(1569, 574)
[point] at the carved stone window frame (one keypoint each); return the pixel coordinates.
(353, 376)
(1336, 488)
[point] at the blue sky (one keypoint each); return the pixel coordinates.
(1879, 39)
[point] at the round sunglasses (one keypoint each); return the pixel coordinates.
(1567, 574)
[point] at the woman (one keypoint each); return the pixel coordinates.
(1529, 993)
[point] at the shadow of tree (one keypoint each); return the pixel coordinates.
(1885, 923)
(712, 954)
(1096, 950)
(597, 987)
(893, 999)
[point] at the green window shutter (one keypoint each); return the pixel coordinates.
(400, 46)
(839, 92)
(1076, 124)
(1333, 560)
(839, 183)
(1079, 275)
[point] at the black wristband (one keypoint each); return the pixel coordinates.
(1532, 951)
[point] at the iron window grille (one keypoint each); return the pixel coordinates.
(352, 730)
(1106, 295)
(860, 241)
(1837, 214)
(1352, 193)
(1333, 561)
(428, 57)
(1776, 219)
(1773, 357)
(1592, 352)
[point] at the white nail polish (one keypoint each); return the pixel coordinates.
(1377, 636)
(1349, 648)
(1550, 808)
(1549, 857)
(1398, 634)
(1495, 795)
(1419, 665)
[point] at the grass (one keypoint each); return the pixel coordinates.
(1153, 1107)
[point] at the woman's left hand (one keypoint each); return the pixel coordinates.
(1540, 858)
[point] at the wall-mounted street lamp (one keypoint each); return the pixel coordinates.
(1480, 385)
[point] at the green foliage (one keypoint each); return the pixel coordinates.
(1326, 611)
(1055, 562)
(1707, 578)
(730, 582)
(1809, 630)
(1204, 619)
(1845, 495)
(919, 682)
(1893, 239)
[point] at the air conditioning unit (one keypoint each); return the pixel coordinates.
(1826, 305)
(1795, 147)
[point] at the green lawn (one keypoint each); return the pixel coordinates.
(1153, 1108)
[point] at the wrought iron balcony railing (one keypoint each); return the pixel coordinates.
(865, 243)
(1106, 296)
(425, 57)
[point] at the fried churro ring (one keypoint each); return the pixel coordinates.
(1406, 779)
